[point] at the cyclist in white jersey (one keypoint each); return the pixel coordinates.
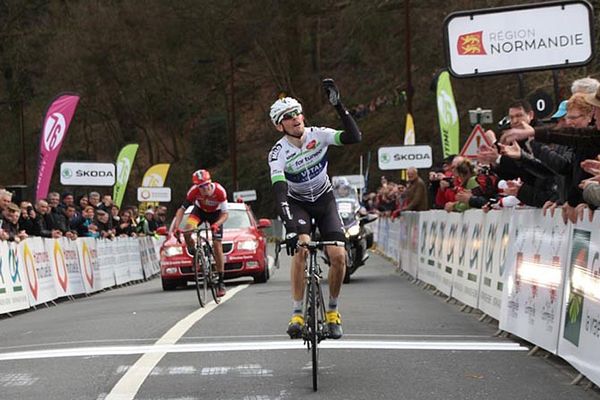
(298, 164)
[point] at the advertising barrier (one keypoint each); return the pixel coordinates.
(468, 271)
(37, 270)
(497, 239)
(65, 263)
(448, 249)
(39, 276)
(535, 274)
(535, 278)
(13, 293)
(579, 340)
(427, 253)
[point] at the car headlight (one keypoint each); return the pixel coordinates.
(250, 245)
(173, 251)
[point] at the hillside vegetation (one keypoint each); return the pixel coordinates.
(161, 74)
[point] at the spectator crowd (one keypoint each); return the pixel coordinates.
(547, 164)
(90, 215)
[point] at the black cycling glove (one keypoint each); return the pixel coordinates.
(291, 242)
(333, 93)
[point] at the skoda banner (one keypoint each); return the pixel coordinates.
(519, 38)
(403, 157)
(87, 174)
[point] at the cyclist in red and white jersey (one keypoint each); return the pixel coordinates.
(210, 205)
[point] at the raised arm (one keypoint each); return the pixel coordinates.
(351, 133)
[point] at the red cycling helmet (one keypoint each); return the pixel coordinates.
(201, 177)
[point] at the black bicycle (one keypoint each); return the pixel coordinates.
(315, 329)
(205, 273)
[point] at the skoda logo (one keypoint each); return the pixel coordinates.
(67, 173)
(385, 158)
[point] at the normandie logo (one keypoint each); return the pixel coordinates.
(471, 44)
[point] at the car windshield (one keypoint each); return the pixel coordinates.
(346, 209)
(238, 219)
(345, 192)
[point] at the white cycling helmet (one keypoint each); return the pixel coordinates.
(283, 106)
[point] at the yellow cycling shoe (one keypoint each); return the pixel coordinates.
(295, 326)
(334, 323)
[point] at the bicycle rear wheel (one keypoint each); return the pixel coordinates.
(313, 325)
(201, 283)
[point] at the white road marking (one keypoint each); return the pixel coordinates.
(130, 383)
(242, 370)
(15, 379)
(160, 349)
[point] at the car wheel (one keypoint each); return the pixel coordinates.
(264, 276)
(168, 284)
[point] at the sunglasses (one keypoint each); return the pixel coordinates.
(290, 115)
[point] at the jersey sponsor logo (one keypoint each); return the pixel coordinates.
(275, 152)
(307, 174)
(312, 144)
(307, 159)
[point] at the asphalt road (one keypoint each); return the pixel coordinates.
(400, 342)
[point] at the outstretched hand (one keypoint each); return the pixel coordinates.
(333, 93)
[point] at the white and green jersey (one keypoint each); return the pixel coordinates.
(304, 169)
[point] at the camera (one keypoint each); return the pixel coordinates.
(479, 116)
(504, 123)
(449, 179)
(29, 209)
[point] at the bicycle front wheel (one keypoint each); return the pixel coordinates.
(313, 322)
(211, 273)
(201, 283)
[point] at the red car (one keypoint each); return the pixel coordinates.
(244, 249)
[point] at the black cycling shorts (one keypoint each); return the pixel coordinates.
(325, 213)
(198, 216)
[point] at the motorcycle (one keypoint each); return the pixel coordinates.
(359, 237)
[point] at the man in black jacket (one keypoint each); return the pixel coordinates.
(43, 221)
(586, 145)
(537, 186)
